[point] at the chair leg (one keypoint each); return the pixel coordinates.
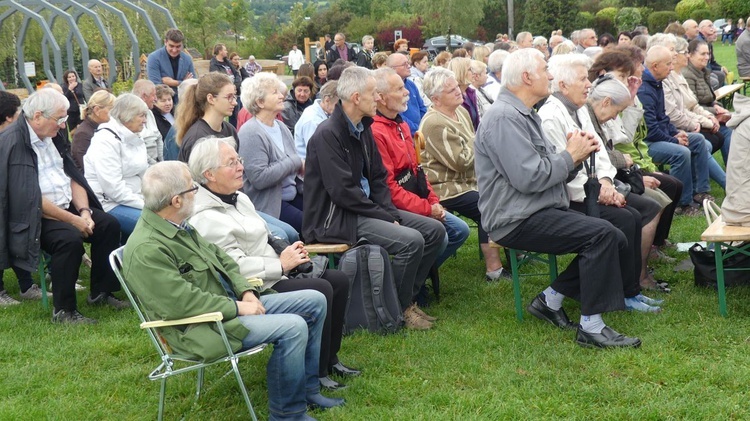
(435, 277)
(331, 263)
(200, 384)
(43, 281)
(516, 283)
(162, 393)
(243, 389)
(552, 261)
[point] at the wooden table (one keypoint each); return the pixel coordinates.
(725, 94)
(722, 236)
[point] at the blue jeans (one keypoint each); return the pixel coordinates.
(715, 172)
(727, 133)
(293, 324)
(457, 231)
(127, 217)
(689, 164)
(280, 228)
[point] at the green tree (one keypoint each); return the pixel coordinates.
(544, 16)
(738, 8)
(238, 15)
(604, 20)
(201, 23)
(628, 18)
(450, 16)
(657, 21)
(686, 7)
(360, 8)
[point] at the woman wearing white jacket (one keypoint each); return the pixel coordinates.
(564, 113)
(116, 161)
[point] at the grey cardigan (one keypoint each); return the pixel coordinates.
(266, 166)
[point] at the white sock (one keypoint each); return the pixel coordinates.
(592, 323)
(553, 298)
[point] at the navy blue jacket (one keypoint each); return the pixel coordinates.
(651, 95)
(415, 109)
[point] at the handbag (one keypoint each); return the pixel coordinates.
(591, 187)
(634, 177)
(279, 245)
(415, 182)
(704, 272)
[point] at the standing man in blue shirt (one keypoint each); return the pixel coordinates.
(170, 65)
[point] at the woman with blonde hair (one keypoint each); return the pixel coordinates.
(461, 68)
(481, 53)
(478, 75)
(95, 113)
(202, 110)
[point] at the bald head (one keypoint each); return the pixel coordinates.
(659, 62)
(399, 63)
(691, 28)
(708, 30)
(95, 68)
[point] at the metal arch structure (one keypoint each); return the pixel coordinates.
(146, 18)
(71, 11)
(30, 15)
(45, 5)
(167, 14)
(78, 11)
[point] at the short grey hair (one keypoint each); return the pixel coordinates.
(127, 107)
(562, 67)
(329, 90)
(665, 40)
(143, 86)
(610, 88)
(540, 40)
(435, 80)
(254, 89)
(184, 85)
(46, 101)
(367, 38)
(381, 77)
(496, 59)
(522, 35)
(206, 155)
(353, 79)
(520, 62)
(680, 44)
(161, 183)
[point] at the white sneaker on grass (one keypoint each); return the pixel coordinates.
(34, 293)
(6, 300)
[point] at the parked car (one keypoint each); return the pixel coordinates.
(435, 45)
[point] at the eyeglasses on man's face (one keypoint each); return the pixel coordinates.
(190, 190)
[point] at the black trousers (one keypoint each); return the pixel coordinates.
(64, 243)
(467, 205)
(673, 188)
(716, 139)
(335, 286)
(628, 221)
(594, 277)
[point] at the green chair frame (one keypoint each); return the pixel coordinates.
(166, 368)
(517, 259)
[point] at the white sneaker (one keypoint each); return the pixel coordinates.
(34, 293)
(6, 300)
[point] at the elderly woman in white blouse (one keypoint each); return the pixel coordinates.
(116, 161)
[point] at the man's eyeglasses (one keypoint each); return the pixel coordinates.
(234, 162)
(59, 121)
(190, 190)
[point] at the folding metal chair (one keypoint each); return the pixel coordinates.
(167, 367)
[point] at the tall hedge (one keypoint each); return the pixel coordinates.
(686, 7)
(544, 16)
(735, 8)
(627, 19)
(701, 14)
(604, 20)
(657, 21)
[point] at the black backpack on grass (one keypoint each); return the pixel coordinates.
(373, 299)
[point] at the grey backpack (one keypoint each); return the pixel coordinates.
(373, 299)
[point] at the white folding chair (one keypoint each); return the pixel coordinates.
(167, 367)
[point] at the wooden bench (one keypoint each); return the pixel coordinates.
(328, 249)
(746, 83)
(722, 236)
(725, 94)
(517, 259)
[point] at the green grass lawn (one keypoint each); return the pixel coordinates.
(478, 363)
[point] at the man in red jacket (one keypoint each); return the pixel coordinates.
(410, 190)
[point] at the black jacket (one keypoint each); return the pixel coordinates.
(333, 55)
(335, 162)
(161, 122)
(21, 197)
(293, 110)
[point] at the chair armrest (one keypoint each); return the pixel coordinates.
(201, 318)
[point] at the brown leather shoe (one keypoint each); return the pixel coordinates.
(412, 320)
(422, 314)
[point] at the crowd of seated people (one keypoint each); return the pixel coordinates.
(634, 100)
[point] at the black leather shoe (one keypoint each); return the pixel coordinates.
(318, 401)
(559, 318)
(344, 371)
(328, 383)
(607, 339)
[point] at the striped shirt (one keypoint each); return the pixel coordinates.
(53, 182)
